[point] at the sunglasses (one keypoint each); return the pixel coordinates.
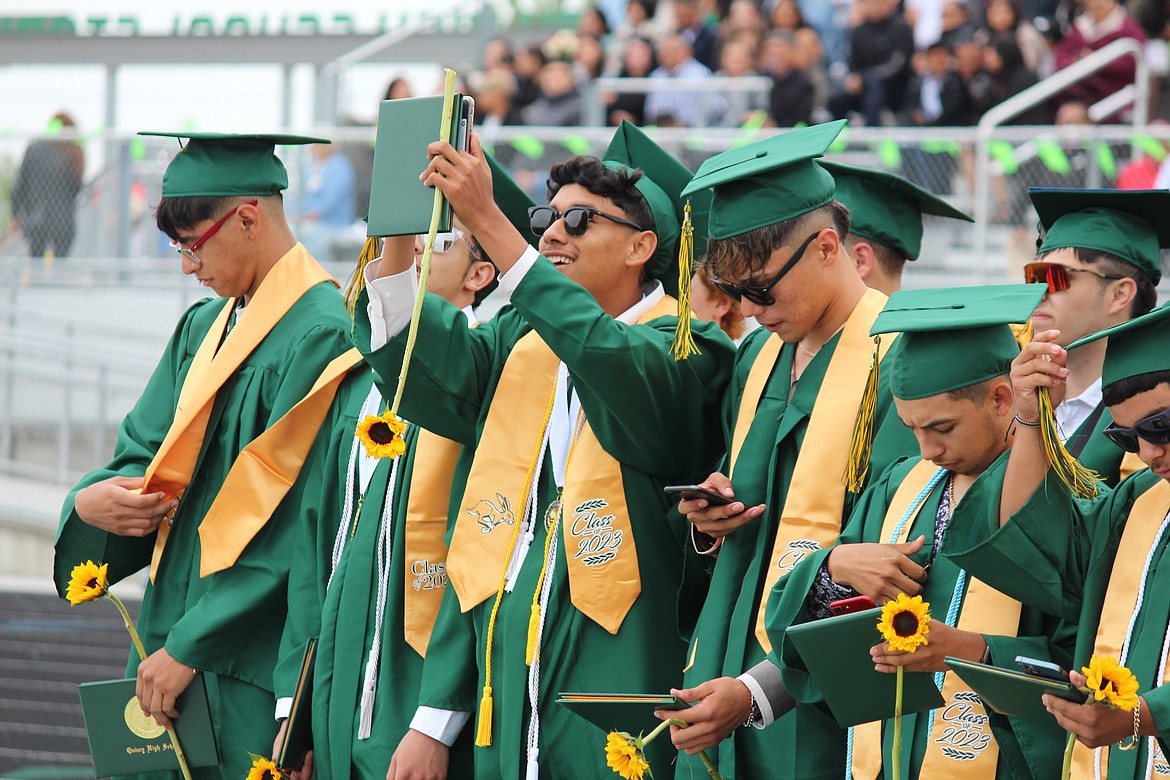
(1056, 276)
(198, 243)
(577, 219)
(1155, 429)
(761, 294)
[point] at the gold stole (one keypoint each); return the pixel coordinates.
(426, 522)
(961, 743)
(598, 538)
(173, 464)
(811, 519)
(1125, 583)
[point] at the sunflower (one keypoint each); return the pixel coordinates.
(905, 622)
(382, 435)
(263, 769)
(87, 582)
(1111, 683)
(623, 754)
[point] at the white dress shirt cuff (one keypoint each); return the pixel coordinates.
(443, 725)
(511, 280)
(283, 707)
(391, 302)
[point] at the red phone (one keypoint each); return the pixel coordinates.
(851, 605)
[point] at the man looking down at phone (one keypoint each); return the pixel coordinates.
(1101, 564)
(205, 484)
(776, 244)
(949, 378)
(373, 612)
(563, 566)
(1091, 288)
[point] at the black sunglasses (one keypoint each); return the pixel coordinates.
(577, 218)
(761, 294)
(1155, 429)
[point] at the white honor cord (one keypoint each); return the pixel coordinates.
(533, 770)
(385, 537)
(366, 467)
(531, 518)
(1132, 622)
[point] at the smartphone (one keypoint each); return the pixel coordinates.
(466, 124)
(851, 605)
(695, 492)
(1045, 669)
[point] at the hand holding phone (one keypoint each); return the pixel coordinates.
(697, 493)
(851, 605)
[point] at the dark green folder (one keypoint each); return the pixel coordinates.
(1011, 692)
(630, 712)
(117, 750)
(836, 652)
(298, 736)
(400, 204)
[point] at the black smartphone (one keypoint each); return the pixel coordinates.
(466, 123)
(1045, 669)
(851, 605)
(696, 492)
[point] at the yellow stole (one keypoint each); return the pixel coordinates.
(426, 523)
(1121, 597)
(961, 743)
(811, 518)
(598, 538)
(174, 463)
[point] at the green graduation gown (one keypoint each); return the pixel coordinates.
(227, 625)
(658, 418)
(1057, 554)
(724, 642)
(343, 613)
(1024, 744)
(1094, 450)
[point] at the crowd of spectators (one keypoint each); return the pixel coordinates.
(877, 62)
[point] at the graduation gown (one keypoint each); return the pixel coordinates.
(1024, 744)
(342, 613)
(228, 624)
(1056, 553)
(659, 419)
(724, 642)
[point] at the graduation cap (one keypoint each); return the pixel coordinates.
(768, 181)
(680, 218)
(953, 337)
(1129, 224)
(227, 164)
(511, 199)
(1135, 347)
(887, 208)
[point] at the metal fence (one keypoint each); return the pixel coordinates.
(81, 327)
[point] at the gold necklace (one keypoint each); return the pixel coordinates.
(806, 350)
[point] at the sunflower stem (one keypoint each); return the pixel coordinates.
(137, 640)
(682, 724)
(711, 770)
(898, 726)
(1069, 744)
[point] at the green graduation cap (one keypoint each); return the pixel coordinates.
(228, 164)
(662, 186)
(768, 181)
(887, 208)
(512, 200)
(1136, 347)
(953, 337)
(1129, 224)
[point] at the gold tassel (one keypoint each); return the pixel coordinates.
(1024, 333)
(370, 250)
(533, 632)
(862, 443)
(1080, 479)
(483, 732)
(684, 343)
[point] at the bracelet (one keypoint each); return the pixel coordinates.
(1137, 723)
(1025, 423)
(751, 718)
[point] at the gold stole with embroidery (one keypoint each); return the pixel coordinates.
(598, 538)
(1121, 597)
(811, 517)
(960, 743)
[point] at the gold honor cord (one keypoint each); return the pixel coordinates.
(428, 249)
